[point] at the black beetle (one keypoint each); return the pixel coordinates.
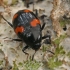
(28, 28)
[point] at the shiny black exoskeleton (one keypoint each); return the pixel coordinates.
(28, 28)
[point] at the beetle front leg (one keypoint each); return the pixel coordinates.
(48, 38)
(24, 50)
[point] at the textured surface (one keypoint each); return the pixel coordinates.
(11, 51)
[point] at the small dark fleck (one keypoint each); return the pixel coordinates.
(65, 28)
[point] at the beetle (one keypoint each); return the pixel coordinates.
(28, 28)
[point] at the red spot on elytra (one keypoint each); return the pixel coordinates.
(15, 16)
(19, 29)
(34, 22)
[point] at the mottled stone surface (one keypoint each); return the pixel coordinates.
(13, 50)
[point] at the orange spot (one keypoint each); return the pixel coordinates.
(35, 22)
(26, 11)
(19, 29)
(15, 16)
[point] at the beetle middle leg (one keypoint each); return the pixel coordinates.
(43, 18)
(17, 40)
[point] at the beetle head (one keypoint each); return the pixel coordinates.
(37, 43)
(36, 46)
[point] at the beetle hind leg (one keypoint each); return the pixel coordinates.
(7, 21)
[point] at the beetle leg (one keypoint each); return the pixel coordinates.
(36, 12)
(27, 3)
(47, 37)
(13, 39)
(43, 26)
(16, 39)
(43, 19)
(33, 55)
(25, 49)
(7, 21)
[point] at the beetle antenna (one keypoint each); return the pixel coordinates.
(7, 21)
(48, 50)
(33, 5)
